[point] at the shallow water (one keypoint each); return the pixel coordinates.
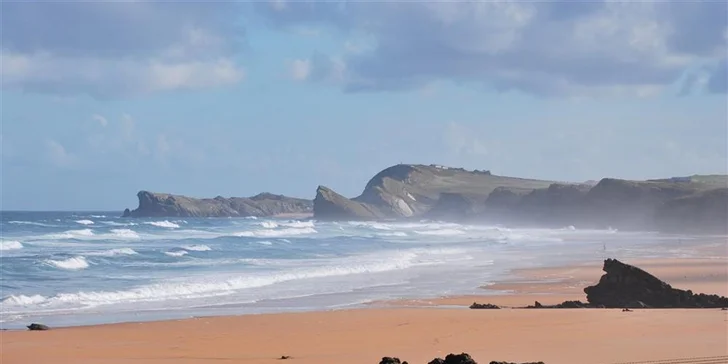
(88, 268)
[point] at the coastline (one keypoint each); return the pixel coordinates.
(419, 330)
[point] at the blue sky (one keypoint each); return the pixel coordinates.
(102, 99)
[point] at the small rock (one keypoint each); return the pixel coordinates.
(388, 360)
(462, 358)
(284, 357)
(626, 310)
(38, 327)
(537, 305)
(437, 361)
(488, 306)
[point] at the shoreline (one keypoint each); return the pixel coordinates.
(417, 330)
(519, 288)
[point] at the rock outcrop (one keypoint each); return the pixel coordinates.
(38, 327)
(413, 191)
(484, 306)
(461, 358)
(624, 285)
(696, 204)
(264, 204)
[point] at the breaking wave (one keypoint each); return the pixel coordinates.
(114, 252)
(177, 253)
(275, 233)
(268, 224)
(164, 224)
(10, 245)
(441, 232)
(197, 248)
(75, 263)
(199, 288)
(85, 222)
(114, 223)
(73, 234)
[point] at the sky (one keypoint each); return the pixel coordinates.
(103, 99)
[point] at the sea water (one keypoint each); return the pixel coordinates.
(88, 268)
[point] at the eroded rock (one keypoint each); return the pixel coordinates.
(626, 286)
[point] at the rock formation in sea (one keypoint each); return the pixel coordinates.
(264, 204)
(405, 191)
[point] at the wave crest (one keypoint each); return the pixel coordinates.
(164, 224)
(10, 245)
(197, 248)
(75, 263)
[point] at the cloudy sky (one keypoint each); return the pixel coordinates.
(102, 99)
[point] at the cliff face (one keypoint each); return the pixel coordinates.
(705, 211)
(698, 204)
(265, 204)
(410, 191)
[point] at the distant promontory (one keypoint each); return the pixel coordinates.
(694, 204)
(265, 204)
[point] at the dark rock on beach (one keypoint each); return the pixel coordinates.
(38, 327)
(626, 286)
(462, 358)
(487, 306)
(565, 304)
(389, 360)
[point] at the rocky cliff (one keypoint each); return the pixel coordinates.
(407, 190)
(265, 204)
(696, 203)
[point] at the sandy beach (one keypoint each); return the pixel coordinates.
(419, 330)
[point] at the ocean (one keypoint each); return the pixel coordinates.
(68, 269)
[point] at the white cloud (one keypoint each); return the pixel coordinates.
(120, 49)
(109, 78)
(100, 119)
(544, 48)
(58, 155)
(300, 69)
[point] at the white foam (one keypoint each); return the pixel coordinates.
(264, 242)
(251, 217)
(268, 224)
(114, 223)
(197, 248)
(23, 300)
(85, 222)
(164, 224)
(276, 233)
(114, 252)
(10, 245)
(441, 232)
(73, 234)
(176, 253)
(98, 216)
(215, 286)
(124, 234)
(394, 233)
(299, 224)
(75, 263)
(31, 223)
